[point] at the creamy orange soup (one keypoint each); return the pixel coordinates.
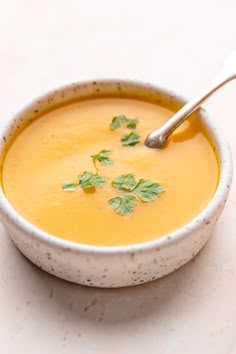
(57, 147)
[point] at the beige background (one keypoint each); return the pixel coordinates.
(179, 44)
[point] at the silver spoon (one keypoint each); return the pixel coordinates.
(157, 138)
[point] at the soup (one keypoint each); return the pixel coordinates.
(57, 148)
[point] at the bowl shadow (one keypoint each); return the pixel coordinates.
(118, 305)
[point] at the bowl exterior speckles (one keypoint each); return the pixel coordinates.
(114, 266)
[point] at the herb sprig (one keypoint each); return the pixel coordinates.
(89, 180)
(118, 120)
(69, 186)
(130, 139)
(85, 180)
(145, 190)
(103, 157)
(123, 204)
(133, 137)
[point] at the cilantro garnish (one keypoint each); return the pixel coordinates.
(146, 190)
(132, 123)
(86, 180)
(123, 204)
(118, 120)
(132, 189)
(69, 186)
(124, 182)
(89, 179)
(103, 157)
(130, 139)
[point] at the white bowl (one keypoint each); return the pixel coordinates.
(114, 266)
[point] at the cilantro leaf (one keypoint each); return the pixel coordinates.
(69, 186)
(118, 120)
(103, 157)
(130, 139)
(147, 190)
(132, 123)
(88, 180)
(123, 204)
(124, 182)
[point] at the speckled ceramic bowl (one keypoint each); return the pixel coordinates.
(114, 266)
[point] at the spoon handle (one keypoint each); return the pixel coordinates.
(158, 137)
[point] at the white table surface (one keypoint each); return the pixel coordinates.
(179, 44)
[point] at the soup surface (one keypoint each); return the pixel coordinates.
(57, 147)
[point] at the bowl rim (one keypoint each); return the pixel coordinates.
(10, 214)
